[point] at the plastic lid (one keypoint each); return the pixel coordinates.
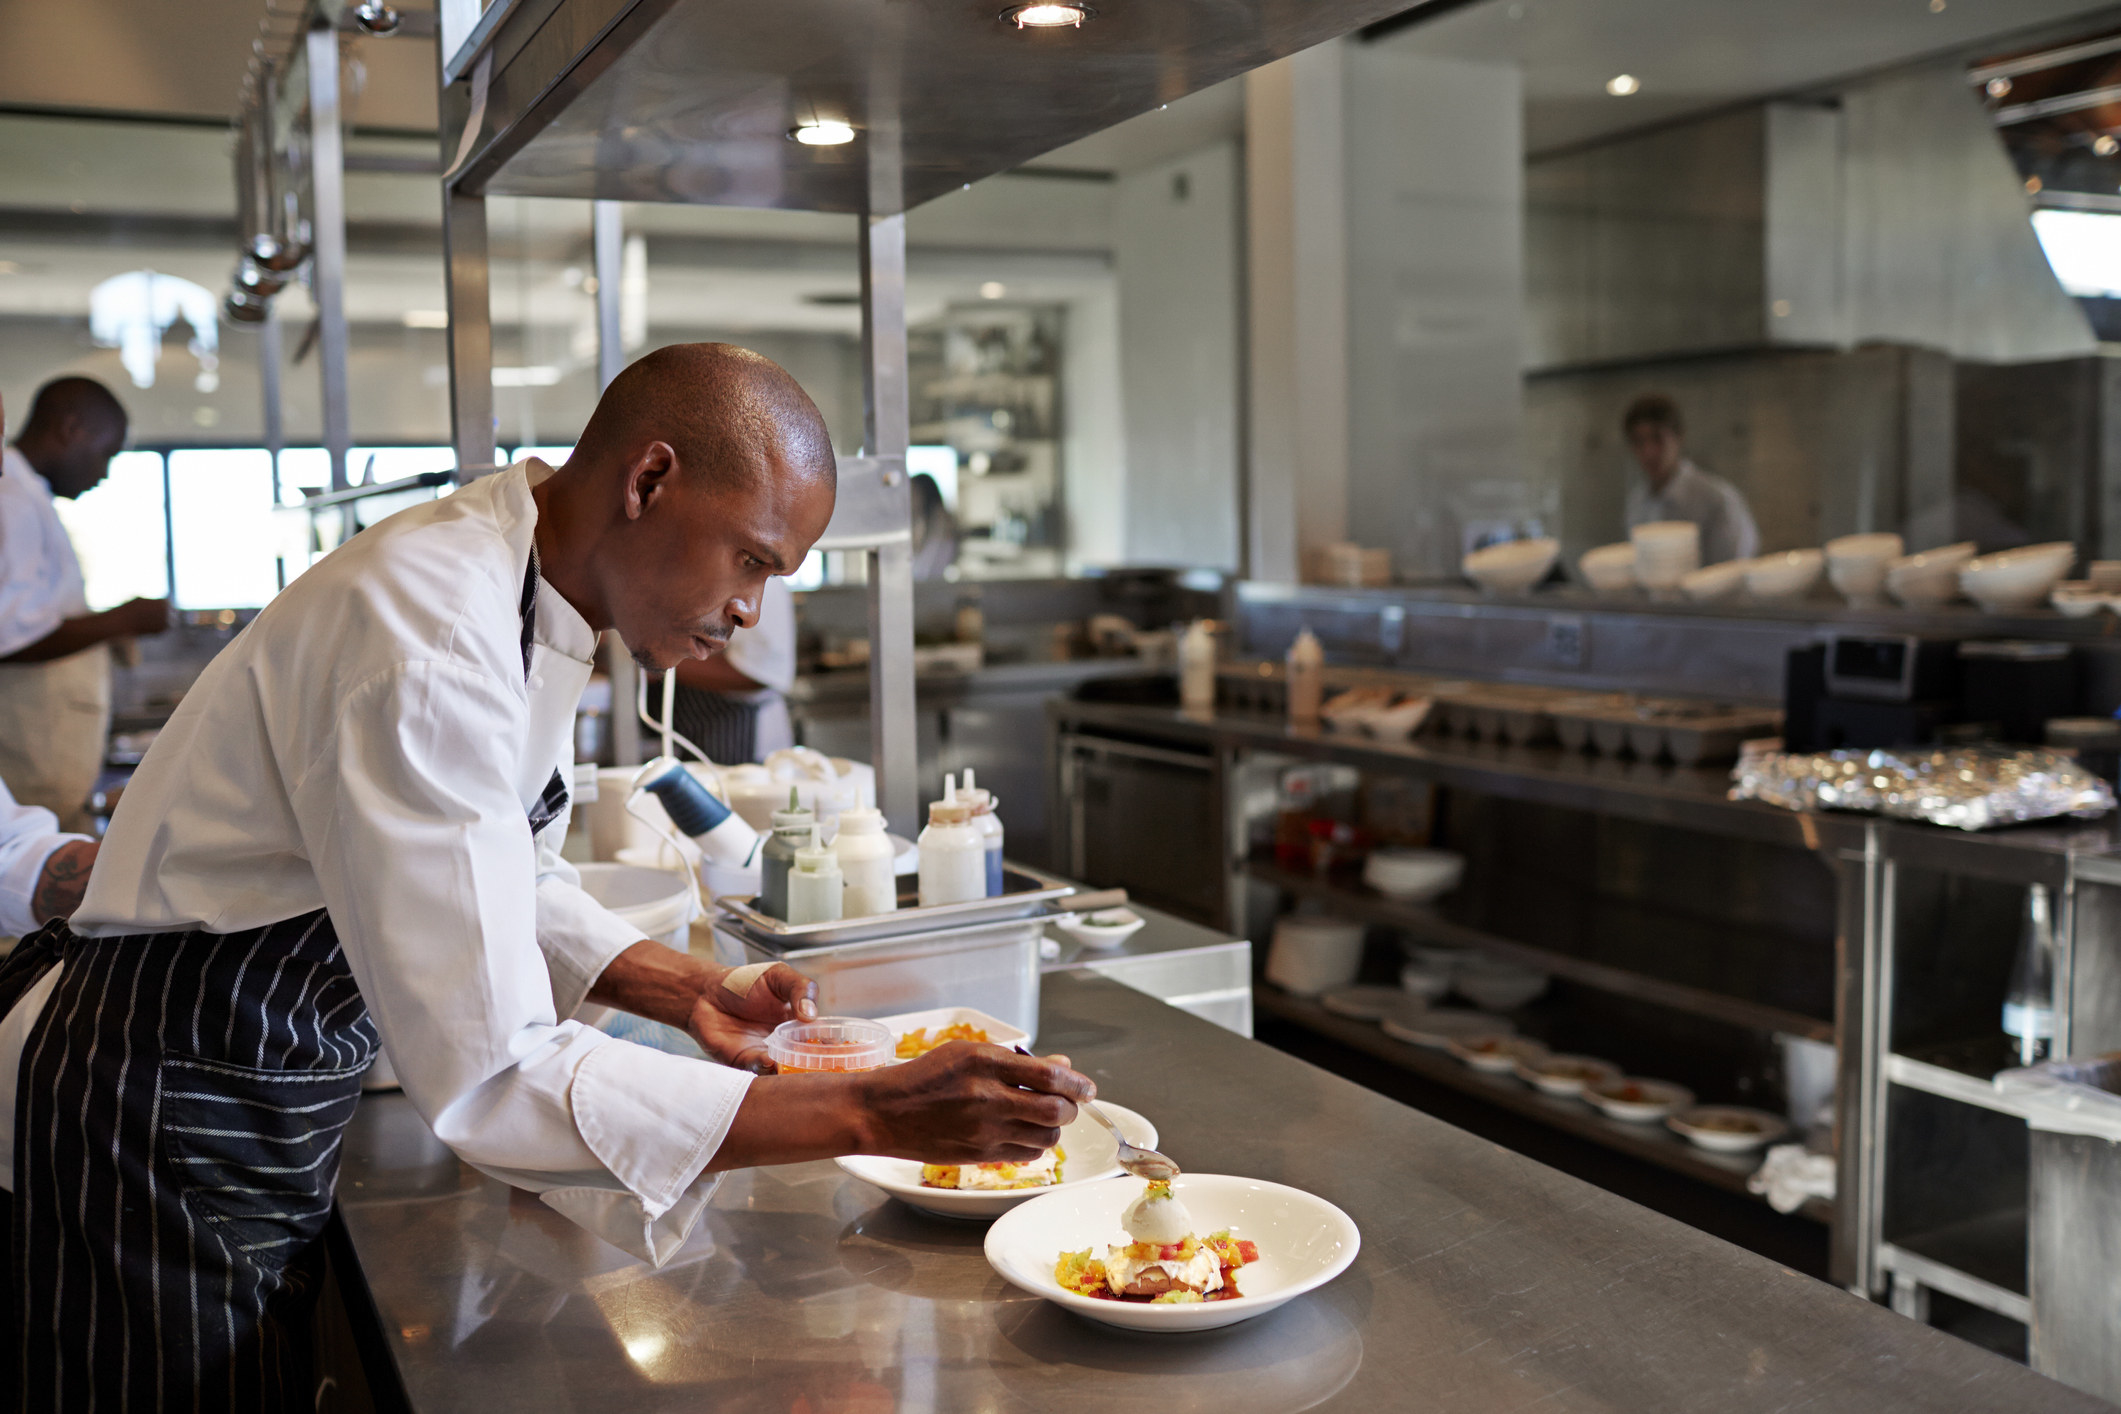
(977, 799)
(949, 812)
(861, 820)
(796, 813)
(830, 1043)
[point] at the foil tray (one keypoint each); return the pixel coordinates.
(1966, 788)
(1023, 896)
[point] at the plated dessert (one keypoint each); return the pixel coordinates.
(918, 1042)
(997, 1177)
(1165, 1262)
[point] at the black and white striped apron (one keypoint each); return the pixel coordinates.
(725, 727)
(178, 1116)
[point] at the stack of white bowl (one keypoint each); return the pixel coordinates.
(1666, 551)
(1312, 953)
(1513, 566)
(1928, 578)
(1857, 565)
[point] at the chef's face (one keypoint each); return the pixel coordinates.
(701, 548)
(1657, 448)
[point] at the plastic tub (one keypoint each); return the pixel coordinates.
(992, 967)
(656, 901)
(1313, 954)
(831, 1044)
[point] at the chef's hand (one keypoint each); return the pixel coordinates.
(732, 1023)
(967, 1103)
(143, 618)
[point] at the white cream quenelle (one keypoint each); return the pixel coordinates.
(1157, 1216)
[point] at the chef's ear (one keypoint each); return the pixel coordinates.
(653, 470)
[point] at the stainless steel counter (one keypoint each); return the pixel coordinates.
(1486, 1281)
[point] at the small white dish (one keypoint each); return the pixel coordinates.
(1419, 979)
(1437, 1027)
(1638, 1101)
(2012, 581)
(1928, 578)
(1727, 1129)
(1496, 1054)
(1513, 566)
(1609, 569)
(1498, 986)
(1304, 1242)
(2079, 598)
(1364, 1001)
(1788, 575)
(1413, 875)
(1566, 1076)
(999, 1033)
(1092, 1157)
(1401, 719)
(1106, 928)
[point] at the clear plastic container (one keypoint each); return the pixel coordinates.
(991, 967)
(830, 1044)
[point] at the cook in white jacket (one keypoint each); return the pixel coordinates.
(347, 831)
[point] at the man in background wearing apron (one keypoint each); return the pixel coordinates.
(54, 654)
(348, 833)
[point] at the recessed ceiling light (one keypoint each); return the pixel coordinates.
(1048, 16)
(1999, 88)
(2033, 186)
(1936, 7)
(993, 289)
(425, 318)
(822, 132)
(1621, 85)
(2106, 144)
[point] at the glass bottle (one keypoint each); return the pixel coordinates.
(2029, 1006)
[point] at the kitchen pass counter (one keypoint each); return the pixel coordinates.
(1486, 1282)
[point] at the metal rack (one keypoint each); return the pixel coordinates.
(696, 101)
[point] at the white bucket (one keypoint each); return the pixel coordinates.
(656, 901)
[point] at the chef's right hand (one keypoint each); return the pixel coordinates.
(142, 618)
(967, 1103)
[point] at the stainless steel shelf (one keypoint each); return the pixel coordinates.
(1650, 1143)
(1980, 1260)
(1425, 923)
(1950, 1083)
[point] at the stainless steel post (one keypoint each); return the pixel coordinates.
(608, 249)
(465, 279)
(269, 389)
(894, 747)
(328, 212)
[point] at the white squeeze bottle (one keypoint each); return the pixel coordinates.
(986, 818)
(953, 856)
(1196, 668)
(1307, 678)
(865, 854)
(814, 884)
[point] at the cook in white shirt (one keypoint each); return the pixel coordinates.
(43, 869)
(54, 665)
(1673, 488)
(347, 832)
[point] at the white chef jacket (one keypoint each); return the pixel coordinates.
(369, 745)
(40, 577)
(28, 835)
(765, 653)
(1727, 529)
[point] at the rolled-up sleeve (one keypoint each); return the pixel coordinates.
(427, 865)
(28, 835)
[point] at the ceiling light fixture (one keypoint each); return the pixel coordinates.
(2106, 144)
(1621, 85)
(425, 319)
(993, 289)
(1048, 16)
(822, 132)
(1999, 88)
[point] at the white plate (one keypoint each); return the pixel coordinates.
(1501, 1061)
(1304, 1242)
(1566, 1086)
(1114, 926)
(1659, 1098)
(1435, 1027)
(1724, 1141)
(1365, 1001)
(1092, 1157)
(1001, 1033)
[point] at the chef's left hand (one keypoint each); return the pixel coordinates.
(732, 1027)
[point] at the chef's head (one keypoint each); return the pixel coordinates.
(711, 471)
(1656, 435)
(75, 426)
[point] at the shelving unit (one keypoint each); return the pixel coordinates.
(1652, 1143)
(1355, 901)
(1980, 1260)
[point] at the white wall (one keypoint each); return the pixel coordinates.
(1176, 243)
(1093, 440)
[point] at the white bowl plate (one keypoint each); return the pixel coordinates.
(1437, 1028)
(1658, 1098)
(1304, 1242)
(1092, 1158)
(1690, 1124)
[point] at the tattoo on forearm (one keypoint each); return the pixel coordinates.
(63, 881)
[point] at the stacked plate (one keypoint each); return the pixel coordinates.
(1665, 552)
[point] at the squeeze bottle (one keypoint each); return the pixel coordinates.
(953, 857)
(1196, 668)
(1307, 678)
(791, 827)
(868, 885)
(988, 821)
(814, 884)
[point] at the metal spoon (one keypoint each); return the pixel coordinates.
(1133, 1158)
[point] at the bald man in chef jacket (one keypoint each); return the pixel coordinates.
(348, 834)
(54, 653)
